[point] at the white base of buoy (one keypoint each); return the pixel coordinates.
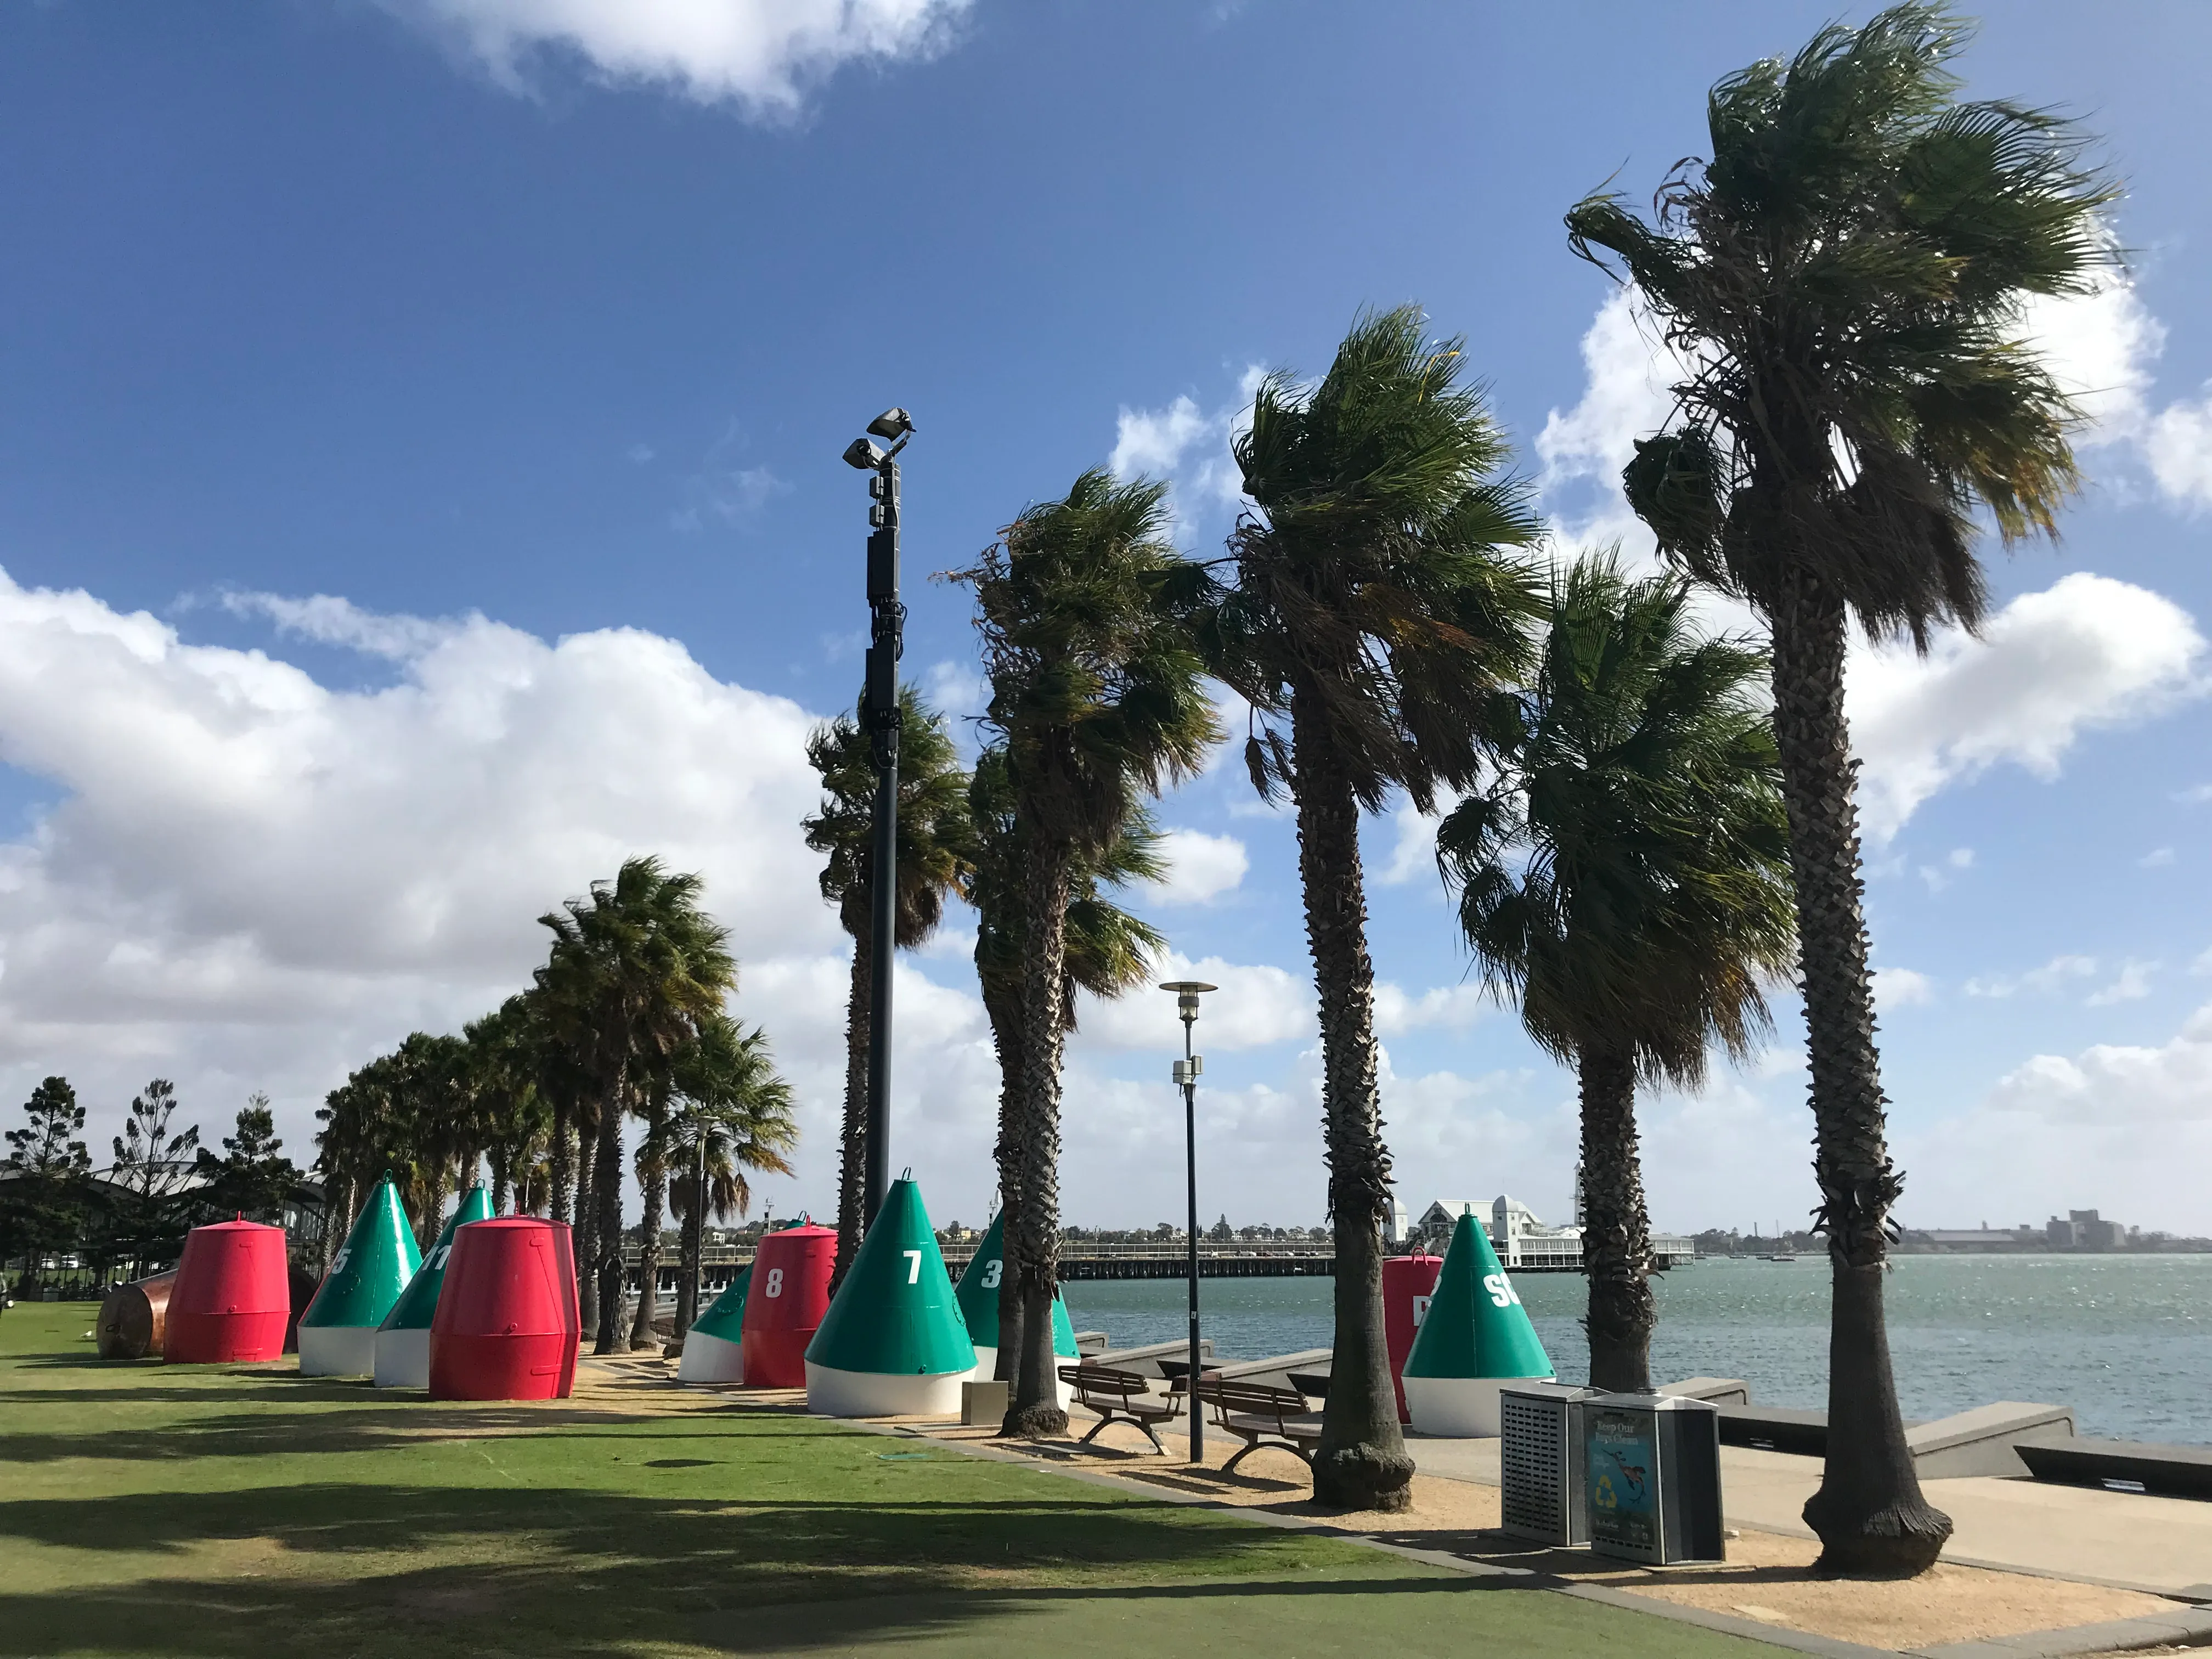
(833, 1393)
(402, 1358)
(1460, 1407)
(710, 1359)
(337, 1350)
(986, 1365)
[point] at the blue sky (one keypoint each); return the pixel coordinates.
(419, 487)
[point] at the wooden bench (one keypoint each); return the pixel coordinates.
(1260, 1415)
(1118, 1397)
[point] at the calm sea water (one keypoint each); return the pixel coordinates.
(2125, 1340)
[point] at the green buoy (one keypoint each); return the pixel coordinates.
(978, 1292)
(1475, 1338)
(893, 1343)
(337, 1332)
(714, 1348)
(403, 1341)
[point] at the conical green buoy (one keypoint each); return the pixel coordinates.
(978, 1292)
(1475, 1337)
(337, 1332)
(893, 1343)
(403, 1341)
(714, 1348)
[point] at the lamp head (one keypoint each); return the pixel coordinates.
(1187, 992)
(892, 423)
(864, 455)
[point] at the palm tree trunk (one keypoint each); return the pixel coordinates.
(1005, 1037)
(1033, 1412)
(1868, 1513)
(587, 1222)
(654, 1180)
(606, 1240)
(503, 1165)
(853, 1141)
(561, 1155)
(1360, 1461)
(1616, 1231)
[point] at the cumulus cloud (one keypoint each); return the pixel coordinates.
(2087, 652)
(1902, 988)
(1447, 1007)
(2111, 1083)
(2054, 976)
(761, 55)
(1627, 370)
(2131, 984)
(1187, 447)
(1257, 1004)
(1200, 867)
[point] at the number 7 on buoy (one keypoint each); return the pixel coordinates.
(913, 1266)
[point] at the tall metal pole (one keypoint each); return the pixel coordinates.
(887, 617)
(1187, 992)
(1190, 1162)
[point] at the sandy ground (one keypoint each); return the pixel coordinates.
(1767, 1577)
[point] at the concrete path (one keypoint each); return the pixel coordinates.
(2163, 1544)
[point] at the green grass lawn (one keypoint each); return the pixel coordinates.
(190, 1510)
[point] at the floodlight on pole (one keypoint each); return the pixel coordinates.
(1187, 1072)
(880, 715)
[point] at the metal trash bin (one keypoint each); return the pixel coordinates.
(1651, 1475)
(1539, 1455)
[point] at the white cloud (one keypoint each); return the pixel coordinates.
(1190, 448)
(1940, 875)
(763, 54)
(2157, 859)
(1450, 1007)
(1902, 988)
(2087, 652)
(1257, 1004)
(2132, 985)
(1200, 867)
(2055, 975)
(331, 621)
(2110, 1084)
(956, 689)
(1413, 853)
(2177, 444)
(1627, 372)
(1153, 440)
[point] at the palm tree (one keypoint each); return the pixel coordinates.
(733, 1119)
(933, 820)
(1375, 628)
(1096, 693)
(513, 1113)
(1652, 896)
(1844, 278)
(633, 967)
(1108, 951)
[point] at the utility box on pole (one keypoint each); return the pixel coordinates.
(1652, 1473)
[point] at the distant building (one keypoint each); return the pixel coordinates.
(2084, 1230)
(1522, 1239)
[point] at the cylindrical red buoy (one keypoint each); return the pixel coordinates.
(789, 1295)
(507, 1326)
(1406, 1282)
(133, 1316)
(232, 1298)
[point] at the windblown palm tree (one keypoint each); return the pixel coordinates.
(1377, 623)
(634, 967)
(514, 1114)
(1096, 693)
(1108, 951)
(932, 837)
(1845, 277)
(732, 1119)
(1627, 876)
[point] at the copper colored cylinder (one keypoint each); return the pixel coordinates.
(132, 1317)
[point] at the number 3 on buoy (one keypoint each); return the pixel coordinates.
(1502, 1293)
(991, 1272)
(774, 1285)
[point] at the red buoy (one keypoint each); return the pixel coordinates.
(790, 1294)
(1408, 1281)
(232, 1298)
(506, 1325)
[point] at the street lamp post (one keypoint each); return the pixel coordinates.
(886, 625)
(1187, 1069)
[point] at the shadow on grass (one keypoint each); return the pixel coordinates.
(329, 1568)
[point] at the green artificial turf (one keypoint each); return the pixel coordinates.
(220, 1510)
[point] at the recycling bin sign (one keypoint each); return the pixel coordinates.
(1651, 1478)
